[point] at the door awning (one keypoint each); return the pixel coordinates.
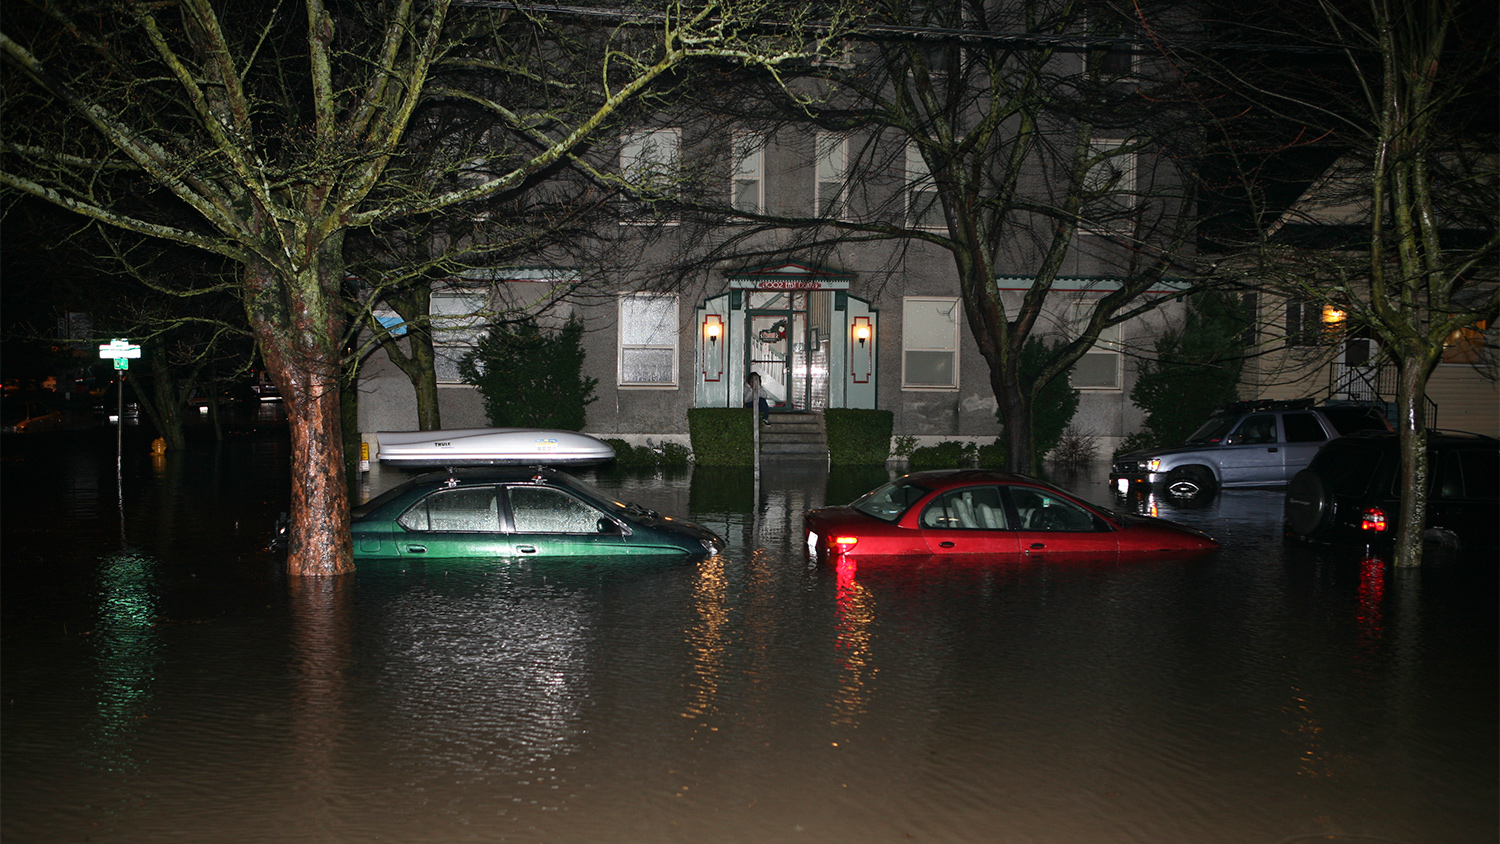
(788, 277)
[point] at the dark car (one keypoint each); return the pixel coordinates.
(1247, 444)
(516, 512)
(997, 515)
(1351, 492)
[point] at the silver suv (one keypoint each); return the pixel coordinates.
(1243, 445)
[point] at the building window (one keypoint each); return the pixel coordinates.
(923, 209)
(1466, 345)
(929, 344)
(1099, 368)
(648, 160)
(747, 185)
(458, 323)
(1304, 322)
(832, 169)
(648, 340)
(1109, 187)
(1112, 50)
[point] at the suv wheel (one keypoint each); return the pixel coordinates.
(1191, 483)
(1306, 503)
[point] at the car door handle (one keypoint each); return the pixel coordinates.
(525, 549)
(1273, 448)
(1037, 546)
(416, 549)
(945, 544)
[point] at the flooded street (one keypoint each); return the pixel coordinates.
(163, 681)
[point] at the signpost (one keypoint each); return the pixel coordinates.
(122, 351)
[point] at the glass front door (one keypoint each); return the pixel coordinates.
(777, 347)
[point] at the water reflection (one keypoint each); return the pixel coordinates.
(706, 641)
(855, 616)
(126, 651)
(1263, 693)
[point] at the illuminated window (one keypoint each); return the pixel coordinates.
(1466, 345)
(929, 344)
(648, 340)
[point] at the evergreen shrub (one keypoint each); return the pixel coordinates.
(858, 437)
(945, 455)
(529, 378)
(722, 436)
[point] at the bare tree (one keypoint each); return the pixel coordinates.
(279, 131)
(998, 133)
(1404, 95)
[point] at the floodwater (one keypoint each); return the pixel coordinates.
(163, 681)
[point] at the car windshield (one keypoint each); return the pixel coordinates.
(1213, 431)
(887, 503)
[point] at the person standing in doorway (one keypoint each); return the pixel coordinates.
(755, 397)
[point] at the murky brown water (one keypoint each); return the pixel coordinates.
(163, 682)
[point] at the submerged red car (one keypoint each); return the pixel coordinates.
(993, 514)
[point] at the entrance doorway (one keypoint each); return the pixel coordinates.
(787, 347)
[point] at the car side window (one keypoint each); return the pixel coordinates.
(1040, 510)
(1470, 474)
(971, 508)
(1259, 429)
(539, 509)
(461, 510)
(1302, 428)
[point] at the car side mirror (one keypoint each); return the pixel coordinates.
(608, 526)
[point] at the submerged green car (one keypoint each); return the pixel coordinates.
(516, 512)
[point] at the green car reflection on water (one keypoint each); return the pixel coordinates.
(516, 512)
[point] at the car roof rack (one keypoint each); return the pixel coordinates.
(1263, 404)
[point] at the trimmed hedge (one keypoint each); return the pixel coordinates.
(722, 436)
(956, 455)
(668, 456)
(858, 437)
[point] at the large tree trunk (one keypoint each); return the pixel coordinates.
(1015, 414)
(1411, 391)
(297, 325)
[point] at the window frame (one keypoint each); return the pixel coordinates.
(456, 331)
(622, 347)
(908, 342)
(1110, 342)
(1124, 188)
(831, 167)
(747, 148)
(1298, 334)
(918, 174)
(657, 170)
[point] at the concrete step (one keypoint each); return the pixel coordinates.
(799, 435)
(802, 449)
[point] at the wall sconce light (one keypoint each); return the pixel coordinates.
(712, 328)
(1332, 315)
(862, 334)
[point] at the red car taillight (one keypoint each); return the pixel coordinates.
(1373, 519)
(842, 544)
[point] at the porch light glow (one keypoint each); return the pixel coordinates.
(862, 333)
(711, 330)
(1332, 315)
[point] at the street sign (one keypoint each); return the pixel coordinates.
(119, 349)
